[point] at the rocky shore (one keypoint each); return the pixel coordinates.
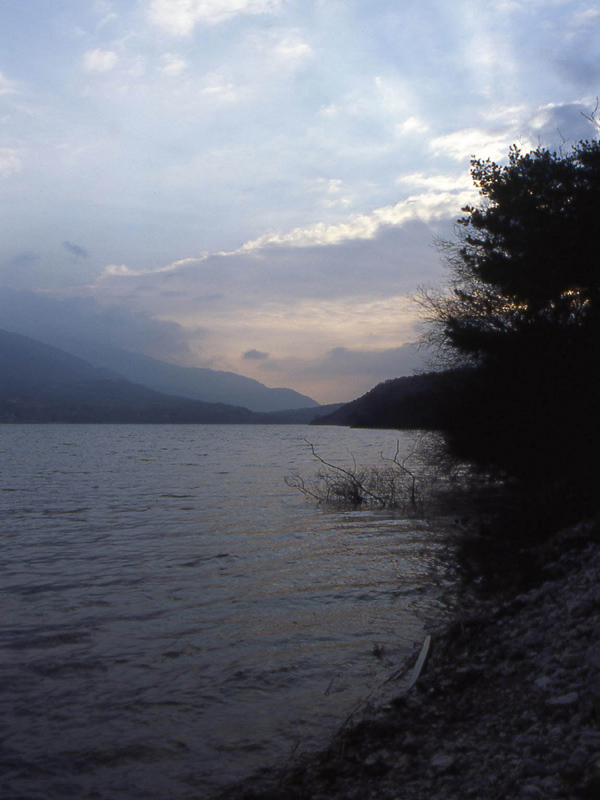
(508, 705)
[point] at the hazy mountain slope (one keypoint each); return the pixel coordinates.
(25, 363)
(298, 416)
(213, 386)
(40, 383)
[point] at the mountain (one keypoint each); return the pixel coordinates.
(298, 416)
(400, 403)
(40, 383)
(197, 383)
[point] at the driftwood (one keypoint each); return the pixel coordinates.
(418, 667)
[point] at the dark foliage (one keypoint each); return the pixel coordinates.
(522, 317)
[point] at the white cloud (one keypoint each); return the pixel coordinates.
(330, 192)
(436, 182)
(292, 47)
(10, 160)
(112, 17)
(123, 271)
(7, 86)
(506, 6)
(424, 207)
(179, 17)
(411, 125)
(99, 60)
(476, 142)
(219, 90)
(394, 96)
(173, 65)
(583, 19)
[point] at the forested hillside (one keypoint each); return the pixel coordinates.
(401, 403)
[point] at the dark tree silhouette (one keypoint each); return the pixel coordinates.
(521, 316)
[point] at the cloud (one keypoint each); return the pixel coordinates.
(379, 364)
(23, 259)
(344, 373)
(219, 90)
(173, 65)
(272, 171)
(411, 125)
(438, 182)
(110, 17)
(574, 53)
(376, 364)
(255, 355)
(55, 320)
(292, 265)
(179, 17)
(75, 250)
(123, 271)
(425, 207)
(397, 258)
(587, 18)
(11, 160)
(558, 125)
(291, 47)
(99, 60)
(581, 72)
(472, 142)
(547, 125)
(17, 269)
(7, 86)
(330, 192)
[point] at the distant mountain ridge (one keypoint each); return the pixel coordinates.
(114, 338)
(42, 383)
(197, 383)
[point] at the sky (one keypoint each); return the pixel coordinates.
(258, 185)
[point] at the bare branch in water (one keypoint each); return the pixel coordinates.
(393, 485)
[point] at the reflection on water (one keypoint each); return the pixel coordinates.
(175, 616)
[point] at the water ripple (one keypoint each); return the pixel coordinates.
(169, 626)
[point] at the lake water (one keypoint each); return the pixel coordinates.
(174, 616)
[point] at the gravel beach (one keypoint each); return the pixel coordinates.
(507, 706)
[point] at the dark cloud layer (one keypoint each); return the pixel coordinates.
(75, 250)
(23, 259)
(377, 365)
(393, 262)
(382, 364)
(55, 320)
(565, 125)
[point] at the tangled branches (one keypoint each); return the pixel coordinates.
(392, 485)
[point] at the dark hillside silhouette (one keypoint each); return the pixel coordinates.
(402, 403)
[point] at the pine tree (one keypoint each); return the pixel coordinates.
(521, 316)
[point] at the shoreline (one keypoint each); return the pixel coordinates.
(508, 704)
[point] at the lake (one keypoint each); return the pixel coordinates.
(175, 616)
